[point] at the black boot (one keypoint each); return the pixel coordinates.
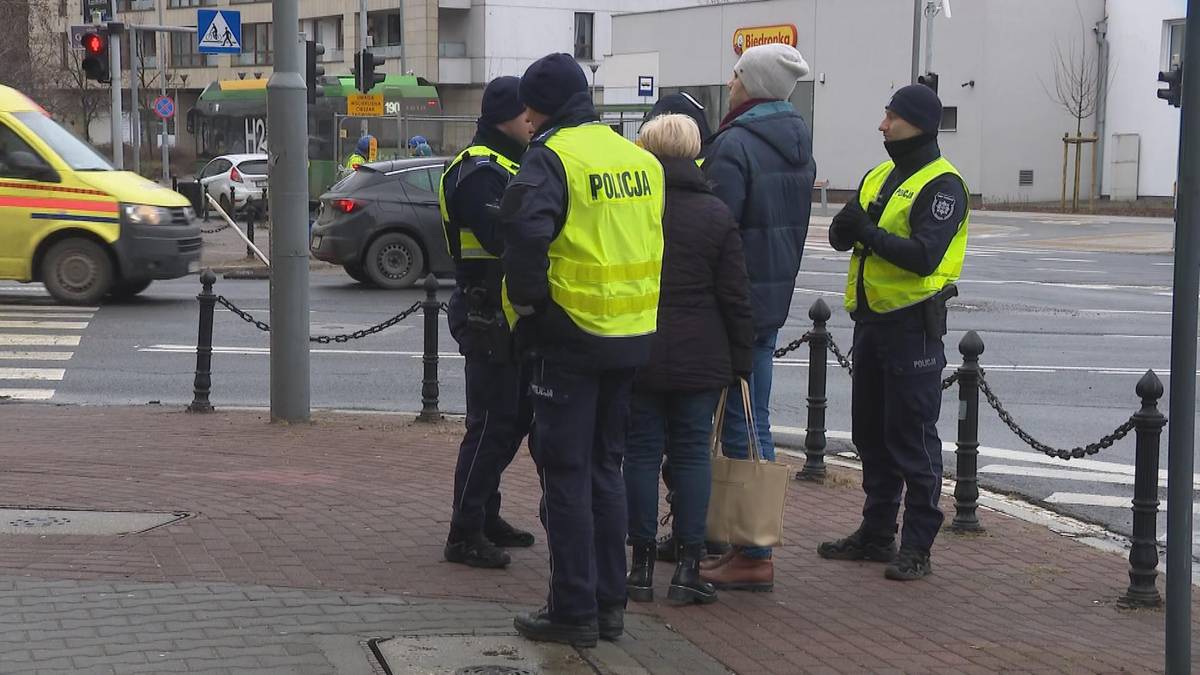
(474, 550)
(500, 533)
(667, 548)
(910, 564)
(640, 583)
(539, 626)
(611, 621)
(686, 585)
(860, 546)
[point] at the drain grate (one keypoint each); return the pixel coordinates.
(39, 521)
(493, 670)
(46, 522)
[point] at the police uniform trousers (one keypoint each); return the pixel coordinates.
(896, 401)
(499, 414)
(578, 443)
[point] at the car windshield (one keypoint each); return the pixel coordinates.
(254, 167)
(78, 155)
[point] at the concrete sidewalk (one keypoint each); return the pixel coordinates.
(316, 548)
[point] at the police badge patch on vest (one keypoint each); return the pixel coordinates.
(943, 206)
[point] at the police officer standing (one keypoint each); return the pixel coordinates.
(582, 262)
(908, 228)
(362, 150)
(498, 408)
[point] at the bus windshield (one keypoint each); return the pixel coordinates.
(77, 154)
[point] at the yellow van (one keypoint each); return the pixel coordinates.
(71, 221)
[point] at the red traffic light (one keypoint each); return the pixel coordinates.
(93, 43)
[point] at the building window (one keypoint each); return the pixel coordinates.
(385, 29)
(326, 30)
(949, 118)
(1173, 43)
(256, 45)
(191, 3)
(584, 32)
(184, 54)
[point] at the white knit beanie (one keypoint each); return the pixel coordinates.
(770, 71)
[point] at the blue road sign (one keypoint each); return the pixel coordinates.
(645, 85)
(164, 107)
(218, 31)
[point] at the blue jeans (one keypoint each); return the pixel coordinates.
(681, 424)
(735, 438)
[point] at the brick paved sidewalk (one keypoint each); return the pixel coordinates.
(346, 517)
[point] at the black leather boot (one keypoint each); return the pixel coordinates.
(640, 583)
(686, 584)
(667, 547)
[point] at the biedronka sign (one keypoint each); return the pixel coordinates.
(745, 38)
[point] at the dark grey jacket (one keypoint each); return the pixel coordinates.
(761, 166)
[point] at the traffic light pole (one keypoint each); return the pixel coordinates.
(114, 70)
(163, 42)
(1181, 432)
(287, 145)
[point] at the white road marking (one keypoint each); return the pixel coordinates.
(1060, 474)
(1008, 368)
(48, 308)
(34, 356)
(1126, 311)
(32, 373)
(51, 325)
(1084, 499)
(10, 314)
(14, 339)
(263, 351)
(1074, 260)
(1066, 271)
(27, 394)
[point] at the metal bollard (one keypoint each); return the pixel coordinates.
(429, 382)
(203, 383)
(251, 212)
(814, 433)
(1143, 554)
(966, 478)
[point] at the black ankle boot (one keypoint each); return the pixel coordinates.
(640, 584)
(668, 548)
(686, 585)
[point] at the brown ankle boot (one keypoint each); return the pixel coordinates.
(742, 574)
(714, 563)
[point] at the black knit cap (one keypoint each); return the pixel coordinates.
(918, 105)
(550, 81)
(501, 101)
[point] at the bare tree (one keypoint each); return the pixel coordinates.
(1076, 86)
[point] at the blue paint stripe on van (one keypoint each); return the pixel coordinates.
(74, 216)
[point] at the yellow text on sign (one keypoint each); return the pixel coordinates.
(364, 105)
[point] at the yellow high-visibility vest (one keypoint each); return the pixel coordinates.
(468, 243)
(887, 286)
(606, 262)
(354, 160)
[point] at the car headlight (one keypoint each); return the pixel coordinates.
(144, 214)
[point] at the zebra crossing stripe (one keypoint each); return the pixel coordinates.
(27, 394)
(50, 325)
(32, 373)
(9, 355)
(25, 340)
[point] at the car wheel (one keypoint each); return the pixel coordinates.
(123, 290)
(357, 273)
(77, 272)
(394, 261)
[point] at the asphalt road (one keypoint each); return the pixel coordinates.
(1069, 317)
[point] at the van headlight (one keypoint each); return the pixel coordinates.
(144, 214)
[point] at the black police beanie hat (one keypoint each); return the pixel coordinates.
(501, 101)
(918, 105)
(550, 81)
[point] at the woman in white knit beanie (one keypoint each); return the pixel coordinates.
(768, 72)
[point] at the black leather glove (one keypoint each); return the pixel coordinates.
(850, 225)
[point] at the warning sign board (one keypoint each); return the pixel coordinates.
(364, 105)
(218, 31)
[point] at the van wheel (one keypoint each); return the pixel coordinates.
(123, 290)
(394, 261)
(357, 273)
(77, 272)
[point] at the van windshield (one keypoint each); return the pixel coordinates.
(77, 154)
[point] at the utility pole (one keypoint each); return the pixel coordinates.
(135, 115)
(363, 43)
(287, 147)
(114, 69)
(932, 7)
(916, 42)
(1181, 432)
(161, 48)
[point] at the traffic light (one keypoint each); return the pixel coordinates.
(365, 77)
(95, 56)
(312, 71)
(1173, 92)
(929, 80)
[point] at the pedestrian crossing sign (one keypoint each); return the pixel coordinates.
(218, 31)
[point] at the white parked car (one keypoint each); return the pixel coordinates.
(246, 175)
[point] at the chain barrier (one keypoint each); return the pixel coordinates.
(949, 381)
(841, 358)
(323, 339)
(444, 308)
(215, 230)
(793, 345)
(1074, 453)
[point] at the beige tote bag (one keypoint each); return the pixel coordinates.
(748, 495)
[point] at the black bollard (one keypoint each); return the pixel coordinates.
(966, 478)
(203, 383)
(1143, 554)
(251, 213)
(814, 433)
(429, 383)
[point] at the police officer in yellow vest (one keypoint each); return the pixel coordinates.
(498, 408)
(362, 151)
(582, 262)
(907, 226)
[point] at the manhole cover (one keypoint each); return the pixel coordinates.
(96, 523)
(493, 670)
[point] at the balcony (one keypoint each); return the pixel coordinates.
(333, 56)
(452, 50)
(388, 52)
(454, 4)
(141, 5)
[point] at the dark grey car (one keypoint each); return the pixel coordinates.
(381, 223)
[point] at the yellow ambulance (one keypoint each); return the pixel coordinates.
(71, 221)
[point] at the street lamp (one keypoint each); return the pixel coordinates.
(594, 67)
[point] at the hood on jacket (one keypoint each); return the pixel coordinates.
(779, 125)
(577, 110)
(683, 174)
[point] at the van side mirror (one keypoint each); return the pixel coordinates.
(30, 166)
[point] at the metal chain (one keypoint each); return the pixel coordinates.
(215, 229)
(949, 381)
(323, 339)
(793, 345)
(444, 308)
(841, 358)
(1076, 453)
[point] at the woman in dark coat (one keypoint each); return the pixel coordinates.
(704, 341)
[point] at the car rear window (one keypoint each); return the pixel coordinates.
(254, 166)
(357, 180)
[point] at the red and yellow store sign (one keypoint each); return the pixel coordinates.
(745, 38)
